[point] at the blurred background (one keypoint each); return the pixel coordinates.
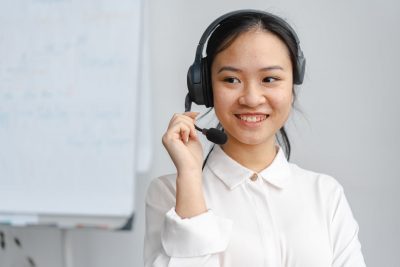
(346, 124)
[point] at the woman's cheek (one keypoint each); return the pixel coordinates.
(222, 99)
(281, 100)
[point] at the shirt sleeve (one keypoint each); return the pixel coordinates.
(344, 233)
(175, 242)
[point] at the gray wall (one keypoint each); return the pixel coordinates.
(347, 126)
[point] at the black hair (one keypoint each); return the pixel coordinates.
(232, 27)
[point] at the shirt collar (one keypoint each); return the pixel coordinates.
(233, 174)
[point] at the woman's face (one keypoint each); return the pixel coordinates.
(252, 86)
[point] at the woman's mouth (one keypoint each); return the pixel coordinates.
(251, 118)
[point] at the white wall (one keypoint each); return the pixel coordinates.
(348, 126)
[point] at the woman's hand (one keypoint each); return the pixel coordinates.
(182, 143)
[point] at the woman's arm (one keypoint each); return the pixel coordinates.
(180, 231)
(185, 150)
(344, 233)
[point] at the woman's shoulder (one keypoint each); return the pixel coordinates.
(162, 189)
(167, 180)
(316, 180)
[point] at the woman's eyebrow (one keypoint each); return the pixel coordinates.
(230, 68)
(275, 67)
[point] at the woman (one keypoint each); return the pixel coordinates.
(248, 206)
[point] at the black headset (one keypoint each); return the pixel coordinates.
(198, 79)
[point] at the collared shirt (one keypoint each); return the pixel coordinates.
(281, 216)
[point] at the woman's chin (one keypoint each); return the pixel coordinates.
(252, 140)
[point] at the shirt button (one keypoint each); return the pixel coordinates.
(254, 177)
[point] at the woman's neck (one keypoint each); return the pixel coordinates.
(254, 157)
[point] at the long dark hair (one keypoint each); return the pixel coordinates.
(235, 25)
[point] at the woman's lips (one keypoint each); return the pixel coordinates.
(252, 118)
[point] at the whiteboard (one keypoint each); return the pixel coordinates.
(69, 73)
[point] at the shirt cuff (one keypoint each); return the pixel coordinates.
(197, 236)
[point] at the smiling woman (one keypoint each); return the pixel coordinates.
(252, 87)
(249, 206)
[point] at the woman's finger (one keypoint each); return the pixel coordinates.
(180, 130)
(187, 116)
(188, 121)
(191, 114)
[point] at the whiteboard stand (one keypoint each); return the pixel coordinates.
(66, 249)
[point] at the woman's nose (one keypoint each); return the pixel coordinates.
(252, 95)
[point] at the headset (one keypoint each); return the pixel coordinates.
(198, 77)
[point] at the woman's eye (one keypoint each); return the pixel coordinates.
(231, 80)
(270, 79)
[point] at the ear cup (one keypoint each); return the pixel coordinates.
(195, 84)
(300, 68)
(206, 83)
(199, 83)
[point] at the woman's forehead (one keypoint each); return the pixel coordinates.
(255, 47)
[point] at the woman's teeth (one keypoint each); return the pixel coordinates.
(253, 118)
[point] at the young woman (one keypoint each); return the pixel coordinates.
(248, 206)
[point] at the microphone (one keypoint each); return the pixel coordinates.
(214, 135)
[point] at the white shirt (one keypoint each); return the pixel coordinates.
(284, 216)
